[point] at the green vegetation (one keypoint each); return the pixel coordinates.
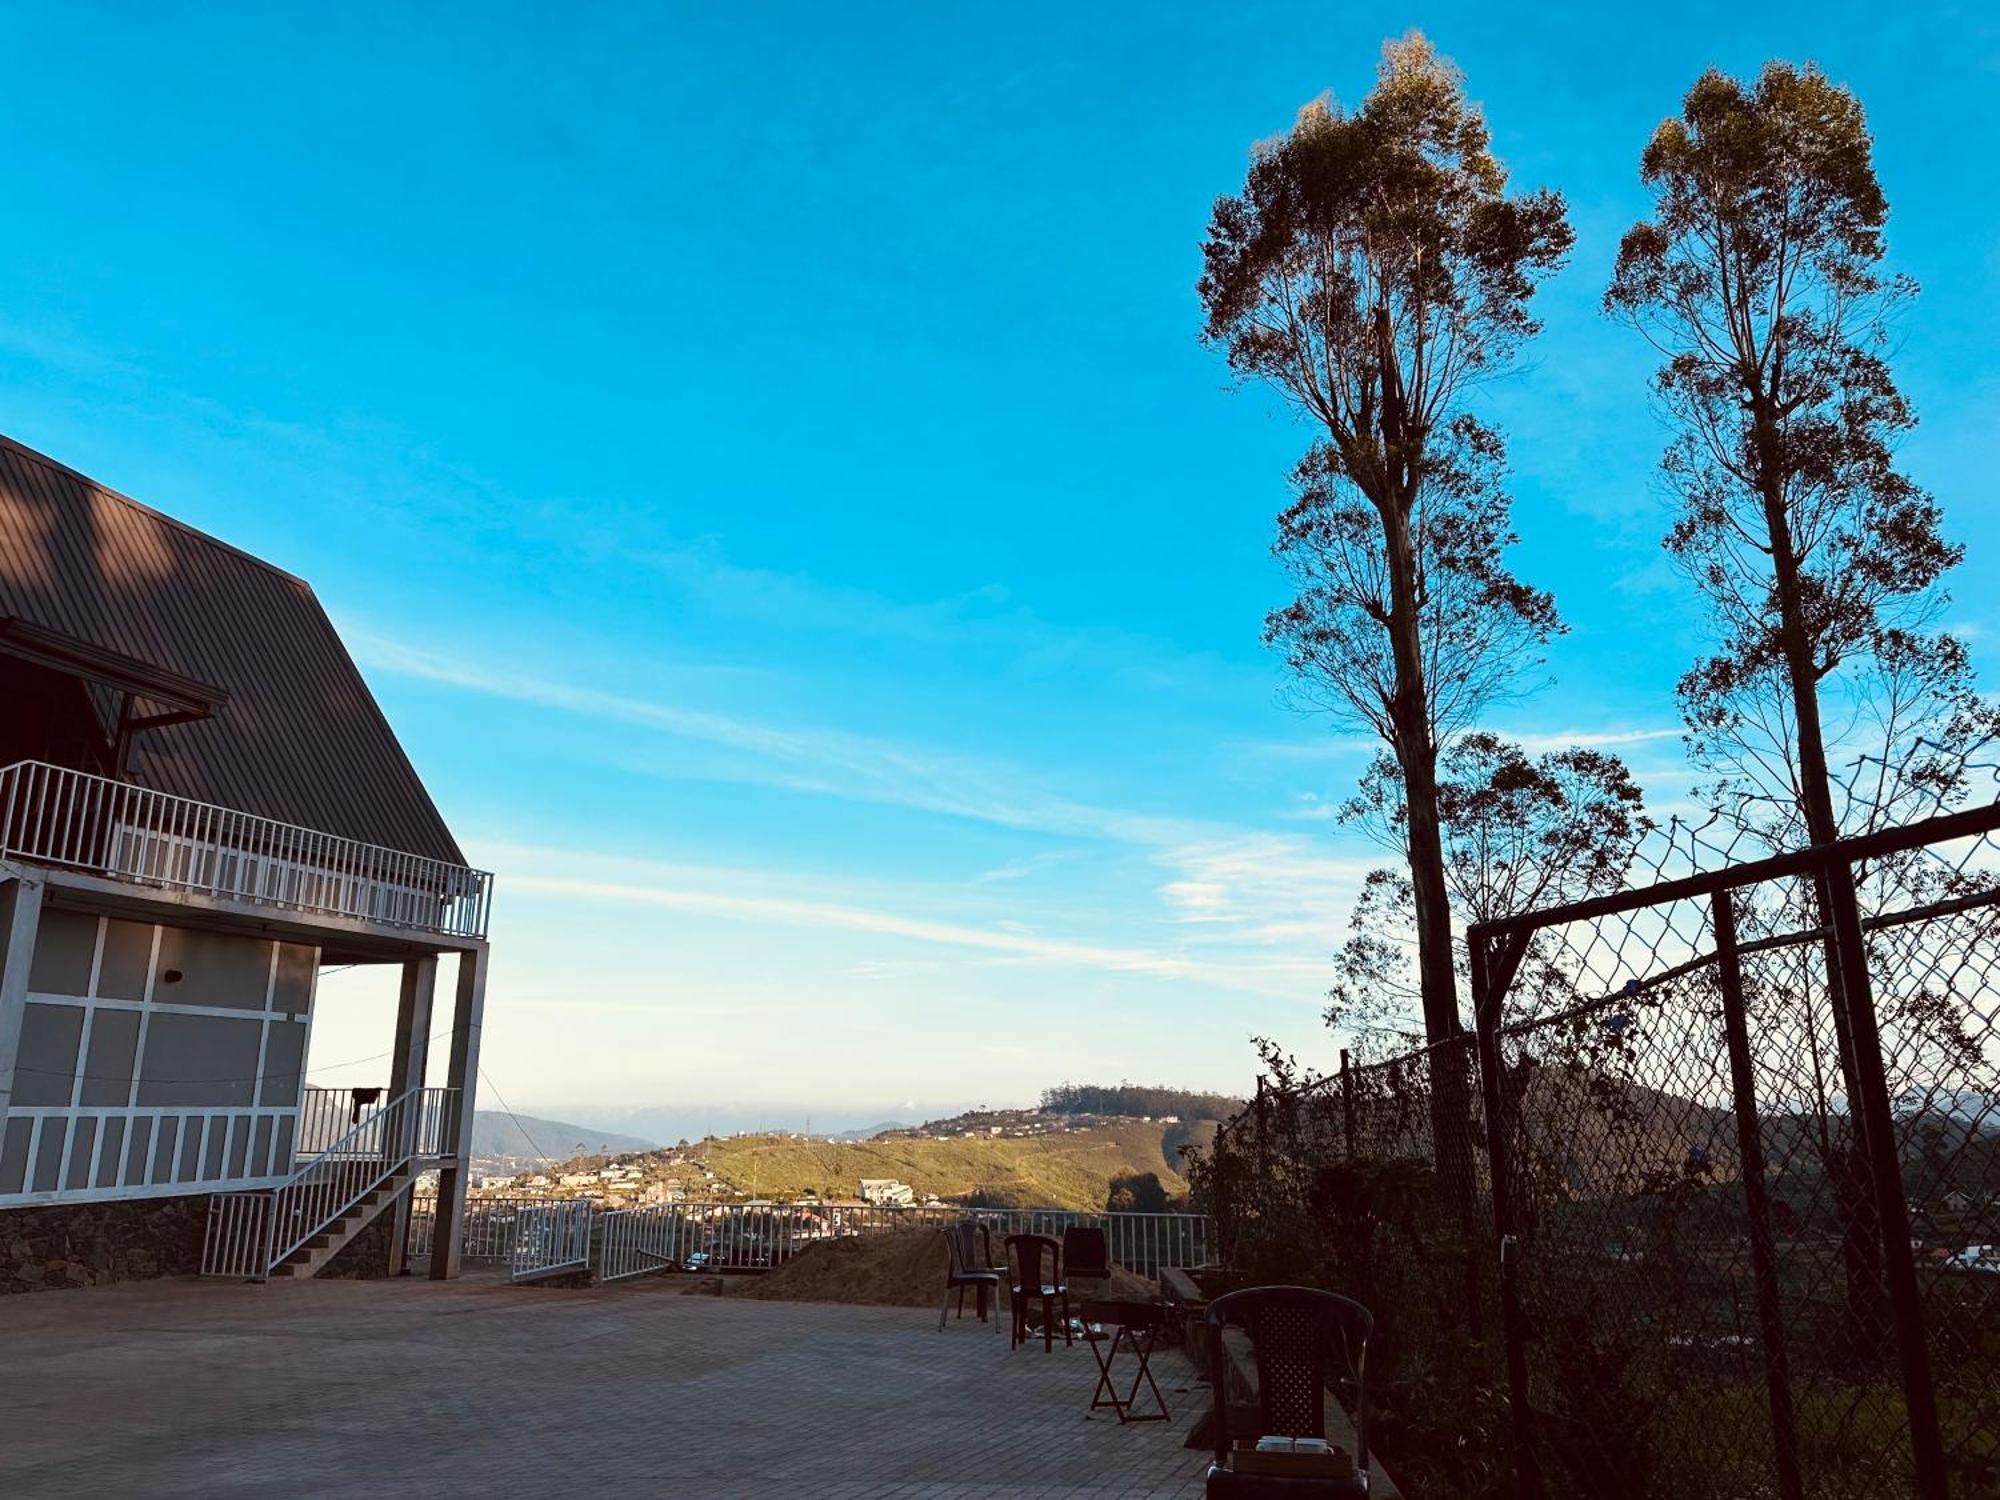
(1133, 1099)
(1073, 1169)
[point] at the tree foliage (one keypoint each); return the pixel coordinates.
(1832, 704)
(1372, 270)
(1135, 1099)
(1519, 833)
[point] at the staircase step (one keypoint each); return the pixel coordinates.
(322, 1247)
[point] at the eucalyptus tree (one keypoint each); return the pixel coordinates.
(1372, 270)
(1832, 703)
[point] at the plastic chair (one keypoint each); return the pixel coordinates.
(1294, 1331)
(1086, 1253)
(968, 1268)
(1035, 1261)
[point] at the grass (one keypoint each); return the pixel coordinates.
(1071, 1171)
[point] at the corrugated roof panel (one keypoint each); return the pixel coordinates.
(300, 738)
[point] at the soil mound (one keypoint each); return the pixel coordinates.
(903, 1268)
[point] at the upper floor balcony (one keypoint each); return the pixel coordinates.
(56, 816)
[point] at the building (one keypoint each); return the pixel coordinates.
(201, 809)
(886, 1190)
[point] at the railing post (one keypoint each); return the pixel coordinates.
(1347, 1102)
(1488, 993)
(1878, 1138)
(1750, 1156)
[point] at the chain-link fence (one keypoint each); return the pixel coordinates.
(1372, 1181)
(1715, 1210)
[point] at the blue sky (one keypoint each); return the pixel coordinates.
(765, 466)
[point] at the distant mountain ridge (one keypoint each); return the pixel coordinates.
(496, 1133)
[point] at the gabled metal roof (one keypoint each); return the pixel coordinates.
(296, 737)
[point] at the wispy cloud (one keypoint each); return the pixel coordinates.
(677, 889)
(1541, 741)
(1276, 900)
(812, 757)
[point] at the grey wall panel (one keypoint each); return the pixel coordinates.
(188, 1168)
(211, 968)
(138, 1141)
(83, 1134)
(14, 1155)
(48, 1158)
(260, 1150)
(199, 1061)
(293, 991)
(284, 1064)
(111, 1152)
(107, 1070)
(128, 949)
(45, 1067)
(63, 950)
(167, 1152)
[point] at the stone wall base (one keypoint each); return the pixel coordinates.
(60, 1246)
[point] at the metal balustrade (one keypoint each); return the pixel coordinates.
(83, 1152)
(760, 1237)
(488, 1231)
(327, 1116)
(550, 1239)
(250, 1234)
(57, 816)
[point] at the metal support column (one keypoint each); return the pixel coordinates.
(448, 1235)
(408, 1071)
(20, 921)
(1756, 1204)
(1492, 975)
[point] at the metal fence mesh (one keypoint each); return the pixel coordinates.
(1675, 1222)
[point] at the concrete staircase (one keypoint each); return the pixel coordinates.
(310, 1257)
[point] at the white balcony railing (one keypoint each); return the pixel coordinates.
(53, 815)
(329, 1116)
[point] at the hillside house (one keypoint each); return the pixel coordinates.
(886, 1190)
(201, 809)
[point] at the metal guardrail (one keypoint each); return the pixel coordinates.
(54, 815)
(761, 1237)
(754, 1237)
(550, 1239)
(489, 1229)
(328, 1116)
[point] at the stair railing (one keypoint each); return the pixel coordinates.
(251, 1233)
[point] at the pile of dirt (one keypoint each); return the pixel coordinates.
(904, 1268)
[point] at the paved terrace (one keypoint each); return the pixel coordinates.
(477, 1388)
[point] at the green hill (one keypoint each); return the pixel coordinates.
(1069, 1170)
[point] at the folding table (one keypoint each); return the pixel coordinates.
(1135, 1326)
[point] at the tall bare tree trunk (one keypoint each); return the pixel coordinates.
(1416, 756)
(1846, 1158)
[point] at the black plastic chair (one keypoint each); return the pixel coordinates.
(1086, 1253)
(968, 1268)
(1035, 1261)
(1294, 1333)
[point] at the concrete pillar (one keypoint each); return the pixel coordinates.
(20, 920)
(467, 1015)
(408, 1071)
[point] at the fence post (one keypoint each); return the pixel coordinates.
(1878, 1136)
(1750, 1157)
(1347, 1102)
(1489, 989)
